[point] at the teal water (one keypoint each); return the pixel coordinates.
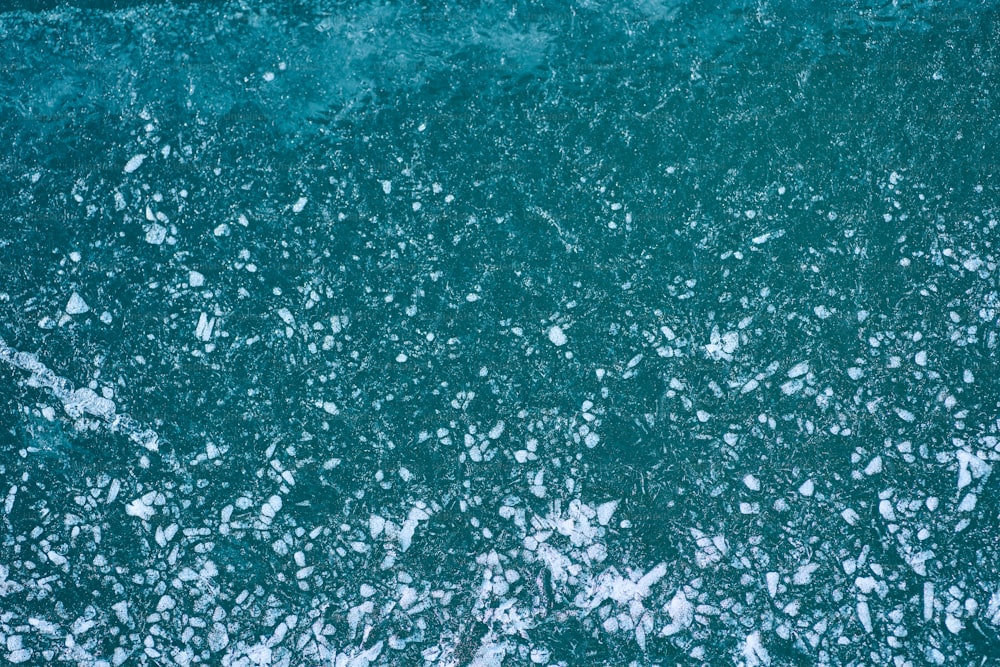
(499, 334)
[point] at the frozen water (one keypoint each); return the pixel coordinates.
(134, 163)
(556, 336)
(348, 334)
(76, 305)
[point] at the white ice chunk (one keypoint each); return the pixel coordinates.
(363, 659)
(972, 264)
(721, 346)
(605, 510)
(142, 507)
(792, 387)
(299, 204)
(218, 637)
(540, 655)
(681, 613)
(751, 482)
(970, 466)
(993, 611)
(953, 624)
(205, 326)
(156, 234)
(710, 550)
(754, 653)
(772, 579)
(804, 574)
(557, 336)
(196, 279)
(113, 490)
(270, 509)
(650, 578)
(874, 466)
(43, 626)
(259, 654)
(76, 305)
(968, 503)
(866, 584)
(17, 656)
(85, 401)
(134, 163)
(490, 654)
(8, 504)
(121, 611)
(964, 474)
(406, 534)
(865, 616)
(798, 369)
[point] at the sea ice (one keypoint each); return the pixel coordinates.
(76, 305)
(556, 336)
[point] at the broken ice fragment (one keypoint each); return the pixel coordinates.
(134, 163)
(556, 336)
(681, 613)
(156, 234)
(76, 305)
(864, 615)
(798, 369)
(142, 507)
(772, 583)
(605, 510)
(721, 346)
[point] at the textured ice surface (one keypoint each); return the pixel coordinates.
(371, 334)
